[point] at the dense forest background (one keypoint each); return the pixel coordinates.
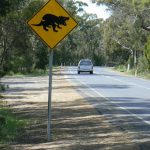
(122, 39)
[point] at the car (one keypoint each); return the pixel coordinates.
(85, 65)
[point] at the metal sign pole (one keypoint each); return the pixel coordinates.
(50, 94)
(52, 9)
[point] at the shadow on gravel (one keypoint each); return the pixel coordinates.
(35, 113)
(75, 127)
(21, 89)
(131, 119)
(95, 86)
(19, 82)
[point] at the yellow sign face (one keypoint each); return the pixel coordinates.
(52, 23)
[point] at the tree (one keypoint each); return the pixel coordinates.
(16, 48)
(147, 52)
(125, 28)
(140, 9)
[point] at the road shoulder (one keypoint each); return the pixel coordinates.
(75, 124)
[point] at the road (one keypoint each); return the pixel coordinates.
(124, 99)
(120, 118)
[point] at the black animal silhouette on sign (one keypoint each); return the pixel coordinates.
(49, 20)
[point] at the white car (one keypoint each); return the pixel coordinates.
(85, 65)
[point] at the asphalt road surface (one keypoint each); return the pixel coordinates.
(124, 99)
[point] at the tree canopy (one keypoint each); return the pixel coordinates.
(121, 39)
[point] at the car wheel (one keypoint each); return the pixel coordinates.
(78, 72)
(91, 72)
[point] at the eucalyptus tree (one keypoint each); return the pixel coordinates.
(8, 14)
(17, 48)
(83, 42)
(89, 27)
(140, 9)
(66, 52)
(128, 26)
(147, 52)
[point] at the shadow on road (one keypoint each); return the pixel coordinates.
(94, 86)
(76, 125)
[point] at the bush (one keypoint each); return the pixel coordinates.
(143, 64)
(147, 52)
(121, 68)
(9, 126)
(2, 87)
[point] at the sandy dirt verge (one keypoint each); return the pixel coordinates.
(75, 124)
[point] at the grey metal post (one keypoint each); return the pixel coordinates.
(50, 94)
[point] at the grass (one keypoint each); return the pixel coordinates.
(121, 68)
(10, 125)
(36, 72)
(2, 87)
(1, 96)
(144, 74)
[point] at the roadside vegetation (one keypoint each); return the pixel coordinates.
(35, 72)
(124, 69)
(2, 87)
(10, 126)
(122, 39)
(126, 39)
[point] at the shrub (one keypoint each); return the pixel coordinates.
(147, 52)
(9, 126)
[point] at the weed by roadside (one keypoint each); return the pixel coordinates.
(144, 74)
(1, 96)
(121, 68)
(36, 72)
(10, 126)
(3, 87)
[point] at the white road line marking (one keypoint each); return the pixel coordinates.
(130, 83)
(101, 95)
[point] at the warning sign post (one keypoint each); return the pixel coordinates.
(52, 23)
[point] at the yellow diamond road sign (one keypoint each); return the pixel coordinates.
(52, 23)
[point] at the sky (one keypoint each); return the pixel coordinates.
(100, 11)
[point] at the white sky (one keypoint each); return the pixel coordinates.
(100, 11)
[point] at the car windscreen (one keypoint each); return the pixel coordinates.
(86, 63)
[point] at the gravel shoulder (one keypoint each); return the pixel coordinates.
(75, 124)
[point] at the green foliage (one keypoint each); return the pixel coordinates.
(143, 64)
(125, 32)
(17, 45)
(114, 41)
(99, 60)
(41, 56)
(9, 126)
(147, 52)
(141, 3)
(2, 87)
(84, 42)
(8, 6)
(31, 8)
(121, 68)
